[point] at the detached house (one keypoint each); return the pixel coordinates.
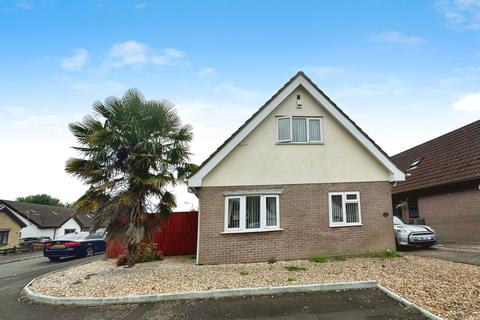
(43, 220)
(296, 180)
(442, 184)
(10, 227)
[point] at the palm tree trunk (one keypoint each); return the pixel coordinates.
(132, 253)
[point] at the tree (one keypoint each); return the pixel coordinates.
(41, 199)
(133, 151)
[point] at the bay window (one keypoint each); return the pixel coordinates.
(299, 130)
(245, 213)
(344, 209)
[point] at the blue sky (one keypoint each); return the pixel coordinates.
(405, 71)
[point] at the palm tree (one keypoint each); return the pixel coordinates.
(133, 151)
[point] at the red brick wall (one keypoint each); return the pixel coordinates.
(304, 218)
(455, 216)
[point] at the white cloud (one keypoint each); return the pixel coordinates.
(461, 14)
(325, 72)
(13, 111)
(127, 53)
(243, 94)
(109, 87)
(395, 37)
(470, 103)
(40, 140)
(76, 61)
(207, 72)
(169, 56)
(23, 4)
(140, 5)
(390, 86)
(133, 53)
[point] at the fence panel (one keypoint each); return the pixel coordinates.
(178, 236)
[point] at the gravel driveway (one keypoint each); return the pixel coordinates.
(450, 290)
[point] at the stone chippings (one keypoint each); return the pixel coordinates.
(450, 290)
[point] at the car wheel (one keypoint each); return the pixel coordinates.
(53, 258)
(89, 252)
(397, 245)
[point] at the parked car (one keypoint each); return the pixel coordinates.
(78, 244)
(42, 240)
(28, 241)
(413, 235)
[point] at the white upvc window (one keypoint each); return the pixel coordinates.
(292, 129)
(250, 213)
(344, 209)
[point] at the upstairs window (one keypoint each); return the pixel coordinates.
(299, 130)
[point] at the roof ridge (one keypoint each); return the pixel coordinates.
(349, 124)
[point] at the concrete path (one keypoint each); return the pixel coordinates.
(463, 253)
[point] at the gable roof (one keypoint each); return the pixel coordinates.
(43, 216)
(9, 213)
(451, 158)
(300, 79)
(84, 220)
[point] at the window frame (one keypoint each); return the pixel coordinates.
(307, 119)
(278, 129)
(7, 232)
(70, 230)
(263, 214)
(344, 223)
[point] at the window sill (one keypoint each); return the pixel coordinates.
(251, 231)
(298, 143)
(345, 225)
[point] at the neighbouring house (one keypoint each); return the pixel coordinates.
(84, 221)
(10, 227)
(296, 180)
(442, 184)
(43, 220)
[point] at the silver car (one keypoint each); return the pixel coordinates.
(413, 235)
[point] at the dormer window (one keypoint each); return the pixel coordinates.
(299, 129)
(414, 165)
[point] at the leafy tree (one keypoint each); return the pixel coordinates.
(69, 205)
(133, 152)
(41, 199)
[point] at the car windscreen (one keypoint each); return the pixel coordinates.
(73, 236)
(96, 235)
(397, 221)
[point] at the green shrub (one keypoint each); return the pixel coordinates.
(295, 268)
(339, 258)
(320, 259)
(291, 279)
(244, 273)
(272, 260)
(147, 252)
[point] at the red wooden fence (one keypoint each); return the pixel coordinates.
(178, 236)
